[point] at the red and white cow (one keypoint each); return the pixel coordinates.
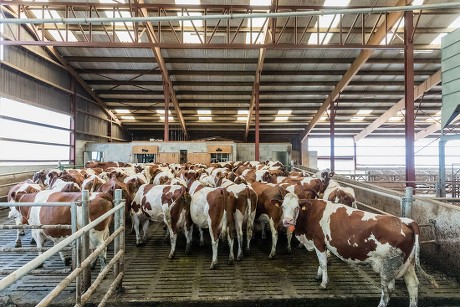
(25, 187)
(270, 198)
(245, 211)
(163, 203)
(99, 203)
(339, 194)
(211, 208)
(389, 244)
(92, 183)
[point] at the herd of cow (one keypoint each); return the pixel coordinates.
(228, 198)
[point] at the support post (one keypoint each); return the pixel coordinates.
(332, 135)
(73, 109)
(409, 98)
(406, 203)
(75, 250)
(166, 94)
(441, 188)
(116, 225)
(86, 273)
(256, 150)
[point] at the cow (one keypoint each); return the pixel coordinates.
(25, 187)
(168, 203)
(339, 194)
(99, 204)
(211, 208)
(389, 244)
(245, 211)
(269, 211)
(92, 183)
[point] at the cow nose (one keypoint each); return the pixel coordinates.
(288, 221)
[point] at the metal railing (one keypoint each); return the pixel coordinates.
(82, 259)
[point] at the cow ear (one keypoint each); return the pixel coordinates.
(276, 202)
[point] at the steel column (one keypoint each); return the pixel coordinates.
(86, 274)
(256, 150)
(166, 94)
(73, 109)
(409, 98)
(332, 135)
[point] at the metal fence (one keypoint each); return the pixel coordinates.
(82, 259)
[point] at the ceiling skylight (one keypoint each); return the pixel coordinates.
(357, 118)
(129, 117)
(162, 111)
(122, 111)
(364, 112)
(205, 118)
(395, 119)
(242, 118)
(281, 118)
(204, 112)
(323, 118)
(326, 21)
(284, 112)
(170, 118)
(243, 112)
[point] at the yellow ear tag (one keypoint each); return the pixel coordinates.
(304, 208)
(277, 205)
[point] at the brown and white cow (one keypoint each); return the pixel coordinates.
(211, 208)
(269, 211)
(339, 194)
(25, 187)
(245, 211)
(99, 203)
(158, 203)
(389, 244)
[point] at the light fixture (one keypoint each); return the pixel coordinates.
(243, 112)
(119, 111)
(284, 112)
(281, 118)
(204, 112)
(127, 117)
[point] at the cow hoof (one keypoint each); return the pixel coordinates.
(288, 251)
(239, 258)
(171, 256)
(67, 261)
(93, 265)
(32, 241)
(300, 246)
(201, 243)
(264, 237)
(231, 261)
(140, 244)
(271, 256)
(213, 266)
(18, 244)
(318, 277)
(321, 287)
(188, 251)
(22, 233)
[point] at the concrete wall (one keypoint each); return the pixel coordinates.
(246, 151)
(122, 152)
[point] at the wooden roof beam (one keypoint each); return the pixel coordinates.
(375, 39)
(429, 83)
(164, 71)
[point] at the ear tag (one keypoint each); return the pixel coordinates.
(304, 208)
(277, 205)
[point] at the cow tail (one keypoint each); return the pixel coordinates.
(248, 200)
(415, 228)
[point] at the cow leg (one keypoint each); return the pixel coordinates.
(136, 229)
(188, 230)
(385, 298)
(215, 248)
(145, 228)
(173, 238)
(167, 234)
(201, 236)
(289, 238)
(274, 239)
(249, 231)
(18, 239)
(239, 234)
(264, 230)
(231, 256)
(411, 280)
(36, 234)
(322, 269)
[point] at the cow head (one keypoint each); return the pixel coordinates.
(291, 207)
